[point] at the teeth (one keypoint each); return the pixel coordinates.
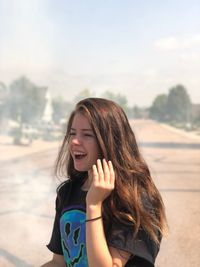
(78, 153)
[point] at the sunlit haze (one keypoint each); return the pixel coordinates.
(137, 48)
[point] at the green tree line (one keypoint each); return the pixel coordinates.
(174, 107)
(24, 102)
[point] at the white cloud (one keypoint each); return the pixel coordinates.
(175, 43)
(167, 44)
(192, 42)
(194, 57)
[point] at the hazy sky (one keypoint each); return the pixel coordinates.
(138, 48)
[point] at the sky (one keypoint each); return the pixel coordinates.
(136, 48)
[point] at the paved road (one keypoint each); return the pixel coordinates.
(174, 160)
(27, 194)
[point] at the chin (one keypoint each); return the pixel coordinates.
(79, 169)
(82, 167)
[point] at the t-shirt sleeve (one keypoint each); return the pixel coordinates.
(142, 248)
(55, 241)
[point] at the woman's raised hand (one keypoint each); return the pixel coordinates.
(103, 182)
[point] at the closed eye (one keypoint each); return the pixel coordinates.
(89, 135)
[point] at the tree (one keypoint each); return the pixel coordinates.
(3, 102)
(26, 100)
(85, 93)
(61, 108)
(158, 109)
(178, 106)
(136, 112)
(118, 98)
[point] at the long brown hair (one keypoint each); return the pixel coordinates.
(135, 199)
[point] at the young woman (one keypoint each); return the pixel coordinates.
(108, 211)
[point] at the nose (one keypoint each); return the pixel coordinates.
(76, 140)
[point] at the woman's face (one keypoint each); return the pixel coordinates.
(83, 144)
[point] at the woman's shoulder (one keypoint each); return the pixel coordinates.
(63, 192)
(64, 187)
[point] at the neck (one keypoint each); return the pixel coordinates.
(88, 182)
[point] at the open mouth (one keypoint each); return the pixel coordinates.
(79, 156)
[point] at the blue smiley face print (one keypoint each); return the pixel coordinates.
(72, 227)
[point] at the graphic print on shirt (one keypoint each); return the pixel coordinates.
(72, 228)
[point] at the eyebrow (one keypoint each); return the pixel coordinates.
(82, 129)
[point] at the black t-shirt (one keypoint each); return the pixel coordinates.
(68, 235)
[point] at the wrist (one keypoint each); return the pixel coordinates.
(93, 219)
(93, 207)
(94, 210)
(93, 203)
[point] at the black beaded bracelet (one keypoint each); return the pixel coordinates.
(94, 219)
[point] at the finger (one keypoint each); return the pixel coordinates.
(100, 171)
(106, 171)
(112, 173)
(95, 173)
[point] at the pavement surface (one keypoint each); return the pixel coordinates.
(27, 195)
